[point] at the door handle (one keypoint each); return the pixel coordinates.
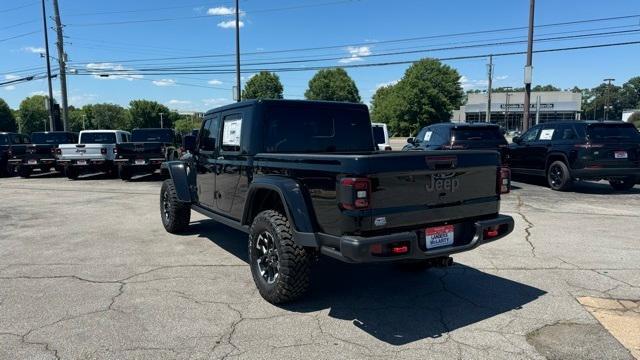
(220, 158)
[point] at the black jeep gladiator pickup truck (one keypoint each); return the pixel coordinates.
(146, 151)
(304, 178)
(41, 153)
(11, 144)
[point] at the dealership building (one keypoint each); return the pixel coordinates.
(507, 108)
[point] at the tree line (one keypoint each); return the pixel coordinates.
(428, 92)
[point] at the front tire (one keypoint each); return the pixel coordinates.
(624, 184)
(559, 176)
(280, 268)
(175, 215)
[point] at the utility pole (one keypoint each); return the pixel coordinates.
(238, 51)
(489, 86)
(506, 114)
(606, 99)
(46, 51)
(62, 59)
(161, 121)
(528, 69)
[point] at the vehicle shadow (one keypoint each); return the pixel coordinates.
(579, 187)
(394, 305)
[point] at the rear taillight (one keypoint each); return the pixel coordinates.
(355, 193)
(115, 150)
(503, 185)
(103, 151)
(491, 232)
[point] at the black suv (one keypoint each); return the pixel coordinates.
(460, 136)
(11, 144)
(579, 150)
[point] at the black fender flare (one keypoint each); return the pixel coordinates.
(183, 178)
(556, 154)
(295, 205)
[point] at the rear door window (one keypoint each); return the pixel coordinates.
(231, 132)
(378, 135)
(565, 132)
(531, 135)
(547, 133)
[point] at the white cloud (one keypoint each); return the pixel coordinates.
(178, 102)
(230, 24)
(56, 93)
(9, 87)
(221, 10)
(501, 77)
(11, 77)
(214, 82)
(164, 82)
(355, 54)
(33, 49)
(388, 83)
(82, 99)
(112, 71)
(468, 84)
(215, 102)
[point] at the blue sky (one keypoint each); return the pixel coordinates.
(357, 31)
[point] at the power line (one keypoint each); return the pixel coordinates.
(19, 36)
(388, 63)
(18, 24)
(468, 33)
(459, 47)
(19, 7)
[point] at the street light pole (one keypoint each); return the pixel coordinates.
(528, 68)
(238, 51)
(46, 51)
(62, 63)
(489, 86)
(606, 99)
(161, 121)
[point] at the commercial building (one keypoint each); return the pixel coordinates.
(507, 108)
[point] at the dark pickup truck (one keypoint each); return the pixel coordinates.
(146, 151)
(11, 144)
(304, 178)
(41, 153)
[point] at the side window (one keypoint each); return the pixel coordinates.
(25, 139)
(231, 132)
(15, 139)
(531, 135)
(547, 133)
(420, 135)
(209, 134)
(565, 132)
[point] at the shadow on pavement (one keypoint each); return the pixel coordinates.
(394, 306)
(579, 187)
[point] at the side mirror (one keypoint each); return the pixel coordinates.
(411, 140)
(517, 140)
(189, 143)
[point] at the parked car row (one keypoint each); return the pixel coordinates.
(115, 152)
(560, 152)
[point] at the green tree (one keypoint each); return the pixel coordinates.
(185, 124)
(76, 117)
(146, 114)
(332, 85)
(547, 87)
(428, 92)
(264, 85)
(33, 114)
(635, 119)
(7, 119)
(104, 116)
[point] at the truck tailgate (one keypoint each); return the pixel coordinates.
(82, 151)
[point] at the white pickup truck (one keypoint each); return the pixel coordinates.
(95, 151)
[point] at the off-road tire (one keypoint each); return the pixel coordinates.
(24, 172)
(124, 173)
(175, 215)
(559, 176)
(623, 184)
(294, 261)
(71, 172)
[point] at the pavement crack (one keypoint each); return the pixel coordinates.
(527, 228)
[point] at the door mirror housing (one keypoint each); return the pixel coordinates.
(517, 139)
(411, 140)
(189, 143)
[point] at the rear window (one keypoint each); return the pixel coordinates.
(476, 133)
(52, 138)
(152, 135)
(308, 129)
(378, 135)
(98, 138)
(4, 140)
(612, 132)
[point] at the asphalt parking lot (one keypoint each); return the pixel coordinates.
(88, 272)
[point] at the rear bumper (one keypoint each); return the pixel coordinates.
(33, 162)
(356, 249)
(600, 173)
(148, 162)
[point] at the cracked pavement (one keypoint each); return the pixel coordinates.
(88, 272)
